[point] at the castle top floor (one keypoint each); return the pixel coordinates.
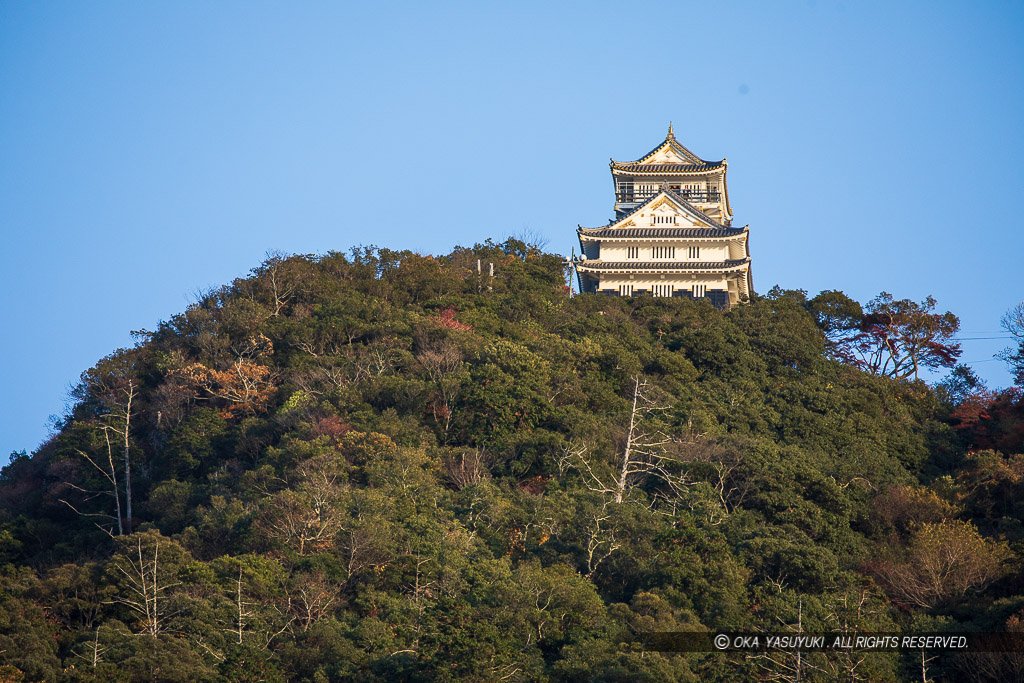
(672, 166)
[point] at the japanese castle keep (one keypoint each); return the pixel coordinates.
(672, 234)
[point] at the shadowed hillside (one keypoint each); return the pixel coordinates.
(387, 466)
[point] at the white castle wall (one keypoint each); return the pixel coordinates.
(617, 251)
(648, 282)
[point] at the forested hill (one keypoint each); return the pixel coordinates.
(386, 466)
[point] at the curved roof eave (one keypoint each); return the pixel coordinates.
(609, 233)
(731, 266)
(635, 168)
(685, 205)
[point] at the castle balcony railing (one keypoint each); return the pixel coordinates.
(636, 197)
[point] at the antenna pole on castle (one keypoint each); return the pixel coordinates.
(570, 271)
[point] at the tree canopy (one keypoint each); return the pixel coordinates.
(381, 465)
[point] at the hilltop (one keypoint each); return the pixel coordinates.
(381, 465)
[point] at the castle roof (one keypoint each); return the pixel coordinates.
(637, 168)
(656, 233)
(698, 216)
(662, 266)
(687, 163)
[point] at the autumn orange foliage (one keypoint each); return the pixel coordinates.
(246, 387)
(447, 319)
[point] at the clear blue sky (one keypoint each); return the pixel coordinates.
(148, 150)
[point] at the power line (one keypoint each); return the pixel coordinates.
(978, 338)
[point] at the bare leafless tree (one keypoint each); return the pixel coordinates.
(442, 360)
(601, 542)
(93, 652)
(784, 665)
(111, 391)
(257, 618)
(1013, 322)
(307, 514)
(312, 597)
(996, 666)
(110, 474)
(282, 275)
(147, 584)
(322, 379)
(465, 468)
(647, 452)
(943, 561)
(243, 610)
(421, 595)
(533, 238)
(721, 461)
(381, 356)
(119, 420)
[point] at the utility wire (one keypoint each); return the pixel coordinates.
(977, 338)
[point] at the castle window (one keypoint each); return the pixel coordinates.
(632, 252)
(662, 290)
(625, 191)
(625, 290)
(699, 291)
(663, 252)
(662, 220)
(694, 252)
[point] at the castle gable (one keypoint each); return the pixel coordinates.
(665, 209)
(670, 153)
